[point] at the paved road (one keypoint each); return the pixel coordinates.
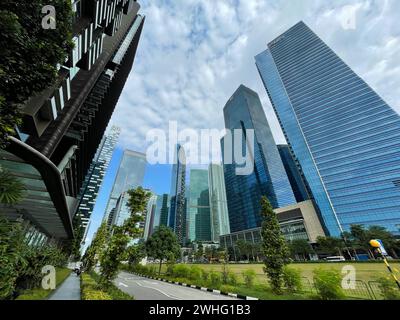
(70, 289)
(149, 289)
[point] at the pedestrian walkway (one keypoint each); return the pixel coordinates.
(70, 289)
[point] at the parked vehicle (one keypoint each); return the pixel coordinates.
(335, 259)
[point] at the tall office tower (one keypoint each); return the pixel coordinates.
(63, 125)
(296, 179)
(163, 203)
(96, 173)
(198, 209)
(150, 217)
(130, 175)
(244, 111)
(177, 210)
(218, 205)
(344, 136)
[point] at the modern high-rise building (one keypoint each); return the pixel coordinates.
(63, 125)
(244, 112)
(150, 217)
(297, 181)
(130, 175)
(218, 205)
(163, 203)
(96, 173)
(345, 138)
(177, 210)
(198, 208)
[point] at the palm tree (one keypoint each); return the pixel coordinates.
(11, 189)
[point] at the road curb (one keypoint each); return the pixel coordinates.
(234, 295)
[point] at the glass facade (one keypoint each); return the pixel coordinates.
(163, 202)
(129, 176)
(150, 217)
(244, 111)
(96, 173)
(218, 204)
(294, 174)
(198, 214)
(344, 136)
(177, 210)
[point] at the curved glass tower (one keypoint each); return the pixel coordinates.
(345, 138)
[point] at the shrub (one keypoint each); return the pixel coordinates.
(195, 273)
(328, 284)
(87, 281)
(181, 271)
(215, 279)
(91, 294)
(231, 279)
(227, 288)
(249, 276)
(292, 279)
(151, 271)
(205, 275)
(388, 289)
(170, 268)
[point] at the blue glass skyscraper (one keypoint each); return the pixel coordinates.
(244, 112)
(177, 209)
(298, 183)
(345, 138)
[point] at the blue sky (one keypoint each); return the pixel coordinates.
(194, 54)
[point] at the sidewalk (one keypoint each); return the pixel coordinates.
(70, 289)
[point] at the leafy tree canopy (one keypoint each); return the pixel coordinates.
(29, 54)
(163, 244)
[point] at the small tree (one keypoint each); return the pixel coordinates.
(199, 253)
(121, 235)
(330, 245)
(96, 248)
(163, 244)
(135, 253)
(300, 247)
(244, 248)
(328, 284)
(360, 239)
(274, 246)
(75, 246)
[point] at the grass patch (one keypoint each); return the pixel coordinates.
(92, 290)
(365, 271)
(40, 293)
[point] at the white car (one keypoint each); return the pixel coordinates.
(335, 259)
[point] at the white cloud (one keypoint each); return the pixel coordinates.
(194, 54)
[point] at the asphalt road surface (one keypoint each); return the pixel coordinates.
(149, 289)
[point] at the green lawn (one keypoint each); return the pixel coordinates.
(364, 271)
(40, 293)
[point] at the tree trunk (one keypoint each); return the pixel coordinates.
(371, 255)
(159, 269)
(394, 254)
